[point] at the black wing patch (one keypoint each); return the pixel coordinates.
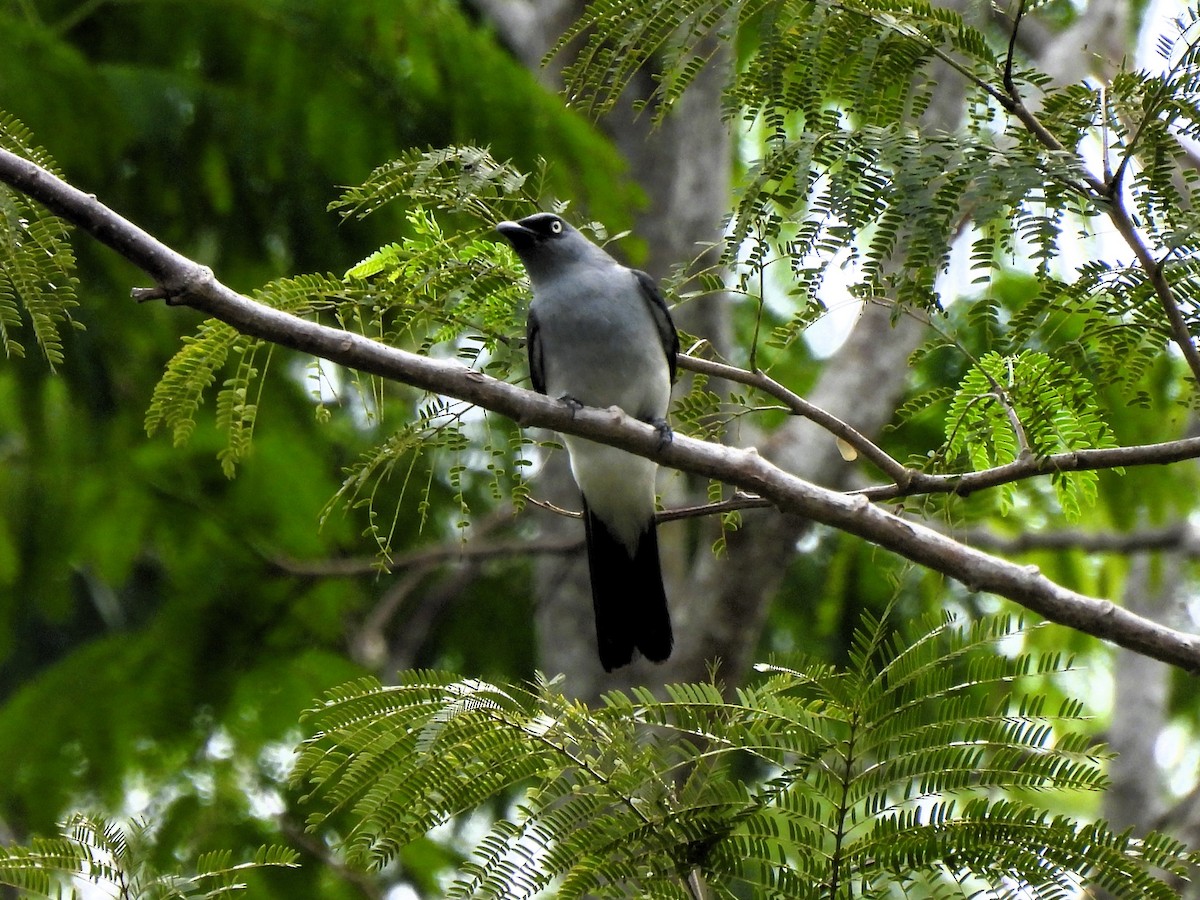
(662, 318)
(533, 346)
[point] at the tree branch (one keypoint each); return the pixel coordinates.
(910, 482)
(424, 557)
(363, 882)
(1179, 538)
(188, 283)
(1020, 469)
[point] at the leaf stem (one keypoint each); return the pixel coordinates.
(842, 812)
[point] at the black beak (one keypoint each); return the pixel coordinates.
(517, 234)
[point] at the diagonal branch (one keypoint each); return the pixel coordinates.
(184, 282)
(798, 406)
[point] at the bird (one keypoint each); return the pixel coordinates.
(600, 334)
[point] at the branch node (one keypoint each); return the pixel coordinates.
(195, 281)
(143, 295)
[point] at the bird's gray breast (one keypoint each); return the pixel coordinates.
(599, 342)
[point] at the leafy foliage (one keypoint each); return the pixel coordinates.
(845, 178)
(193, 369)
(429, 291)
(856, 171)
(114, 857)
(267, 104)
(37, 266)
(1010, 407)
(911, 762)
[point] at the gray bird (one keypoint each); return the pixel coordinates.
(599, 334)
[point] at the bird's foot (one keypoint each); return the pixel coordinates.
(572, 404)
(665, 434)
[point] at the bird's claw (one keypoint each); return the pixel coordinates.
(665, 434)
(572, 404)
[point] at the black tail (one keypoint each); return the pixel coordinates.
(627, 595)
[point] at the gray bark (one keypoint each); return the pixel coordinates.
(1141, 693)
(729, 598)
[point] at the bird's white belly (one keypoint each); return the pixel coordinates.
(618, 486)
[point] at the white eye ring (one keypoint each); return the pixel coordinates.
(556, 227)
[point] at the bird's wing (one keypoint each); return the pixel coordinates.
(533, 346)
(662, 318)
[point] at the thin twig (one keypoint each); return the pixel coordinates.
(1071, 461)
(363, 882)
(891, 467)
(1107, 195)
(1000, 393)
(450, 552)
(1009, 84)
(557, 510)
(739, 501)
(476, 551)
(1180, 333)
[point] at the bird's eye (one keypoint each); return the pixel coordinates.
(556, 227)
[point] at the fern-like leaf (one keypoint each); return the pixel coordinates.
(37, 265)
(1030, 403)
(117, 857)
(901, 767)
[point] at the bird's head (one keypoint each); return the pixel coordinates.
(546, 242)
